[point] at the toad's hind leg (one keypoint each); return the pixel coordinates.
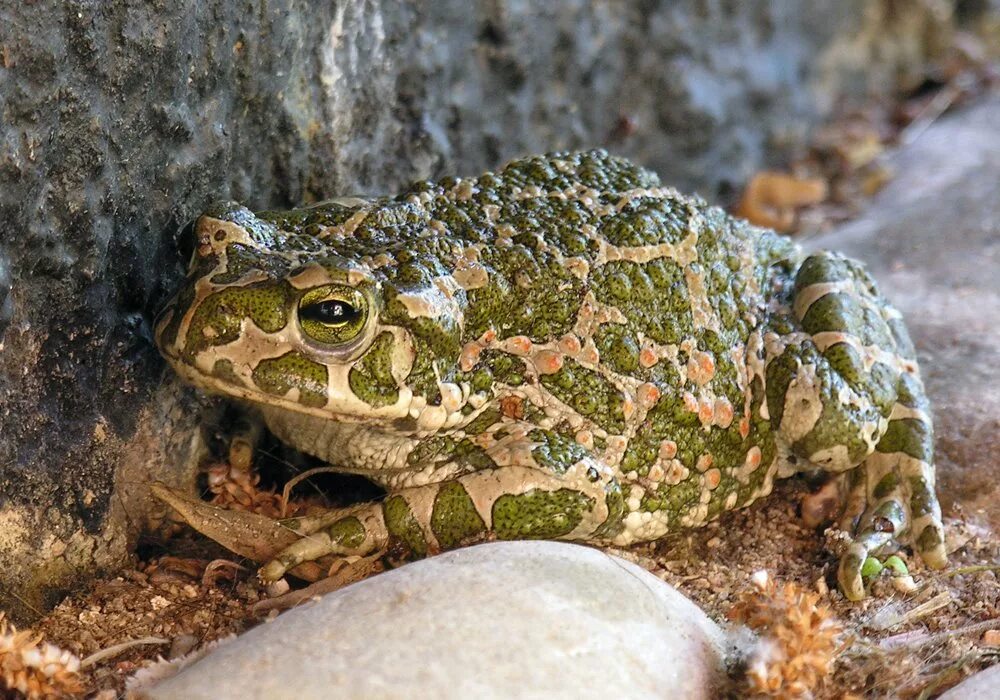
(844, 393)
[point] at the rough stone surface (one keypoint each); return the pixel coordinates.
(932, 240)
(120, 120)
(524, 619)
(985, 685)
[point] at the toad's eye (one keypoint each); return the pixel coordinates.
(333, 314)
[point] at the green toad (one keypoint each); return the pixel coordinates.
(561, 349)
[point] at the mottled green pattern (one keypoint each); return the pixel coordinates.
(909, 436)
(554, 451)
(530, 294)
(588, 394)
(441, 450)
(613, 525)
(293, 370)
(347, 532)
(401, 524)
(242, 259)
(654, 297)
(539, 515)
(224, 370)
(219, 319)
(455, 518)
(371, 378)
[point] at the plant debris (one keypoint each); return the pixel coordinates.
(124, 624)
(34, 668)
(798, 638)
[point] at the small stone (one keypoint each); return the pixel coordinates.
(904, 584)
(158, 602)
(759, 579)
(276, 588)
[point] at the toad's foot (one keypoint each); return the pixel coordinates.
(891, 499)
(358, 530)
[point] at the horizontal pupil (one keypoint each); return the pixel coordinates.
(334, 312)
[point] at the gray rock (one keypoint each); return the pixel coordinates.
(511, 619)
(984, 685)
(119, 121)
(932, 240)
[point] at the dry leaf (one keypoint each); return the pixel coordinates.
(771, 199)
(250, 535)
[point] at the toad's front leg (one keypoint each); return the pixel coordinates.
(540, 494)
